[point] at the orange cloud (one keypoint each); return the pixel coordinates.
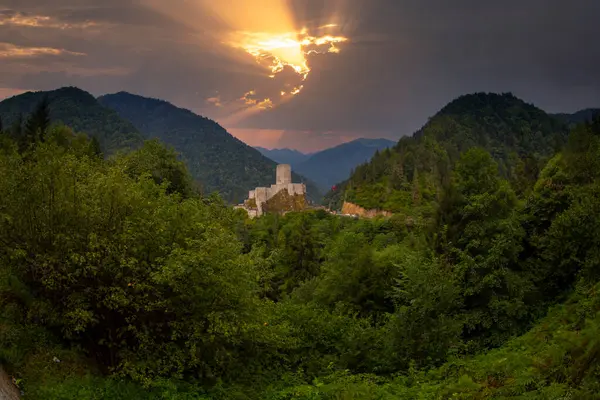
(215, 101)
(263, 33)
(41, 21)
(9, 50)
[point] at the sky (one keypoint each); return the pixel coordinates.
(307, 74)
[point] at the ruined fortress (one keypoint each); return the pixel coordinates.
(281, 197)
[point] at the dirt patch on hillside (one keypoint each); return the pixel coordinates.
(8, 391)
(353, 209)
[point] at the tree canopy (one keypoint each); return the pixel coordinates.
(119, 279)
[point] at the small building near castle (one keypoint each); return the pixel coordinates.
(281, 197)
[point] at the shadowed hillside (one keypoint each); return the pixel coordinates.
(79, 110)
(219, 161)
(518, 136)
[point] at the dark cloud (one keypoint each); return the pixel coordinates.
(404, 61)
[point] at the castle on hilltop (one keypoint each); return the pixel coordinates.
(281, 197)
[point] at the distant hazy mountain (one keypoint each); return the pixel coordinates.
(79, 110)
(580, 116)
(219, 161)
(331, 166)
(284, 156)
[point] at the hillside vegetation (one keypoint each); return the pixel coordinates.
(408, 178)
(119, 281)
(80, 111)
(216, 159)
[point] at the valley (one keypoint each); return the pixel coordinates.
(475, 239)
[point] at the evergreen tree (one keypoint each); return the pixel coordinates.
(95, 147)
(17, 127)
(38, 122)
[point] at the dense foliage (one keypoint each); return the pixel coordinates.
(410, 177)
(118, 280)
(77, 109)
(216, 159)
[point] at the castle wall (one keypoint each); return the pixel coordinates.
(261, 195)
(296, 188)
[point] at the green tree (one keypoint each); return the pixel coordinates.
(560, 218)
(425, 327)
(148, 283)
(95, 147)
(356, 276)
(161, 163)
(38, 122)
(484, 244)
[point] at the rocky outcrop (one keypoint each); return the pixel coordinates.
(354, 209)
(8, 390)
(284, 202)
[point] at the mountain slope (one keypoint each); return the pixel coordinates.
(219, 161)
(330, 166)
(409, 176)
(79, 110)
(284, 156)
(580, 116)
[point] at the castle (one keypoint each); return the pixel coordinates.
(281, 197)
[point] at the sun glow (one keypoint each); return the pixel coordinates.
(267, 34)
(275, 52)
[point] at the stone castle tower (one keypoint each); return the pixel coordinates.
(288, 194)
(284, 174)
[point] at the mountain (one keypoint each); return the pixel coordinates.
(580, 116)
(284, 156)
(79, 110)
(413, 171)
(219, 161)
(333, 165)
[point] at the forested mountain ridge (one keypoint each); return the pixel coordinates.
(80, 111)
(578, 117)
(219, 161)
(518, 136)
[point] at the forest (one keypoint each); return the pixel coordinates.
(216, 160)
(120, 280)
